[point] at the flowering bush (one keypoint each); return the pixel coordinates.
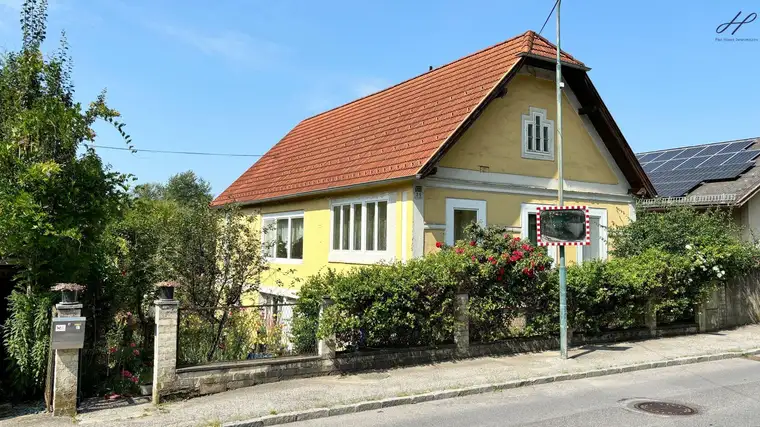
(129, 364)
(507, 279)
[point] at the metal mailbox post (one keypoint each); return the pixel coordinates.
(68, 333)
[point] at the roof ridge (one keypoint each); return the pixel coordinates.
(547, 41)
(754, 138)
(434, 70)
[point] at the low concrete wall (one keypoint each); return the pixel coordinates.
(218, 377)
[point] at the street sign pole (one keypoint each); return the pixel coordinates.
(560, 190)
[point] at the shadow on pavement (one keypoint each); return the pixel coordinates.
(599, 347)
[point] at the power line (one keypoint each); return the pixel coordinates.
(547, 18)
(193, 153)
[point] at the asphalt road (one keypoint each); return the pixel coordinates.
(724, 393)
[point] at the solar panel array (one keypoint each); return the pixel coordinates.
(676, 172)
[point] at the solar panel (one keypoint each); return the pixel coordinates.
(743, 157)
(669, 165)
(736, 146)
(693, 162)
(716, 160)
(649, 167)
(649, 157)
(676, 172)
(689, 152)
(669, 155)
(712, 149)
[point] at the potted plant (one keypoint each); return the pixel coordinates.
(166, 289)
(69, 292)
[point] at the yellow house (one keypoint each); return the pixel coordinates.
(385, 177)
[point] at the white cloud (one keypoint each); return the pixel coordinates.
(233, 46)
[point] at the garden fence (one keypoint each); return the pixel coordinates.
(221, 334)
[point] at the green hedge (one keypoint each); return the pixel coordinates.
(408, 304)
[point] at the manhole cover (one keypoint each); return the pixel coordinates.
(664, 408)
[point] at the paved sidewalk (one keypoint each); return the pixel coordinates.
(400, 385)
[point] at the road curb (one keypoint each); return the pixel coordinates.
(310, 414)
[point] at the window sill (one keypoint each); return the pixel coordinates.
(356, 257)
(284, 261)
(537, 156)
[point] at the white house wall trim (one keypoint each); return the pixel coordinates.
(535, 192)
(528, 181)
(418, 221)
(404, 226)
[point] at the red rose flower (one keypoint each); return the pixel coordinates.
(506, 236)
(438, 244)
(126, 374)
(527, 247)
(473, 258)
(135, 380)
(133, 345)
(499, 278)
(541, 268)
(491, 258)
(136, 352)
(473, 243)
(516, 239)
(459, 251)
(112, 350)
(501, 270)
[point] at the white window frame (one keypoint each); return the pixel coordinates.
(363, 256)
(532, 208)
(478, 206)
(289, 216)
(530, 118)
(602, 215)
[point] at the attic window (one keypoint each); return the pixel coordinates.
(537, 135)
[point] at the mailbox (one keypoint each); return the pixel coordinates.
(68, 333)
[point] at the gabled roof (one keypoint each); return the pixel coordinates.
(736, 177)
(393, 134)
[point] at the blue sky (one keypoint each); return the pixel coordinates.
(235, 76)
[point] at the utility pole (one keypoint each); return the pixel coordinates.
(560, 191)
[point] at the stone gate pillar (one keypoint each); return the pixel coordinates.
(165, 342)
(66, 371)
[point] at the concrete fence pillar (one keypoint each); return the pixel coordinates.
(326, 345)
(165, 347)
(650, 318)
(462, 328)
(66, 373)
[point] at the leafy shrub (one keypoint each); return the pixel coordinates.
(413, 303)
(506, 277)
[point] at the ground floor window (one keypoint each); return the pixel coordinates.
(459, 214)
(362, 229)
(283, 236)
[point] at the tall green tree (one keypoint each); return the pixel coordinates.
(57, 198)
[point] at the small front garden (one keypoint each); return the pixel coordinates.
(666, 261)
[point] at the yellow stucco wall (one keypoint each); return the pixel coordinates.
(495, 138)
(317, 239)
(505, 209)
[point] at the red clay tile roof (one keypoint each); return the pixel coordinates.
(387, 135)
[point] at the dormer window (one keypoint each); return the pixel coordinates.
(537, 135)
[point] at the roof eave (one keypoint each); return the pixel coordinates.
(317, 192)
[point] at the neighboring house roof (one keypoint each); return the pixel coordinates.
(401, 132)
(730, 177)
